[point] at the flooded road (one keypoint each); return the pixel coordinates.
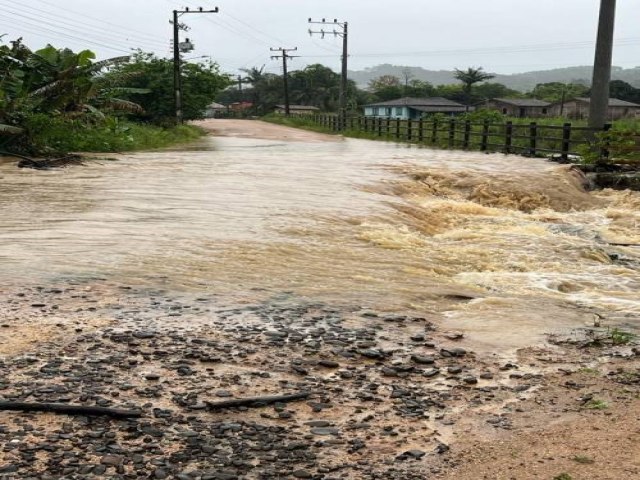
(502, 247)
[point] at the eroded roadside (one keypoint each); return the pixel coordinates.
(392, 395)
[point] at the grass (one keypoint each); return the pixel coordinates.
(584, 459)
(620, 337)
(596, 405)
(55, 136)
(563, 476)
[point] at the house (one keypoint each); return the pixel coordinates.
(297, 110)
(215, 110)
(240, 107)
(413, 108)
(578, 108)
(519, 107)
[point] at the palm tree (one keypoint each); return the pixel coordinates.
(470, 77)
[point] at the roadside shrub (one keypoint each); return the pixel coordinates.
(47, 135)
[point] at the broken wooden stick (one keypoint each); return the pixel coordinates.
(256, 402)
(69, 409)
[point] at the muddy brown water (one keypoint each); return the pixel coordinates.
(502, 247)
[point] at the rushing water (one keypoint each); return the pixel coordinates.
(500, 246)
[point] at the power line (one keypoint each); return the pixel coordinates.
(39, 19)
(254, 28)
(39, 30)
(111, 24)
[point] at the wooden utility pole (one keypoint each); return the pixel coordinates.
(177, 76)
(599, 103)
(284, 55)
(342, 120)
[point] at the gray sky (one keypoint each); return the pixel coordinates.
(503, 36)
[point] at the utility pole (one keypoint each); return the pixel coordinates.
(284, 55)
(342, 119)
(599, 103)
(177, 49)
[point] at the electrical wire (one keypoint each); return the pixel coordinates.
(60, 25)
(31, 27)
(138, 33)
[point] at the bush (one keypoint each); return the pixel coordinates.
(47, 135)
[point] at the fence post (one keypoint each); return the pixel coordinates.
(409, 125)
(452, 132)
(508, 137)
(420, 132)
(434, 131)
(566, 141)
(398, 128)
(485, 136)
(379, 126)
(533, 138)
(604, 152)
(467, 133)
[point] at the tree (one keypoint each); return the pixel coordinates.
(201, 82)
(470, 77)
(55, 83)
(624, 91)
(489, 90)
(555, 91)
(418, 88)
(383, 81)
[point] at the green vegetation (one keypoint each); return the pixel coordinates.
(58, 136)
(313, 85)
(563, 476)
(584, 459)
(620, 337)
(54, 101)
(469, 78)
(596, 405)
(150, 84)
(589, 371)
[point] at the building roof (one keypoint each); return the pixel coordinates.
(216, 105)
(298, 107)
(613, 102)
(441, 108)
(523, 102)
(417, 102)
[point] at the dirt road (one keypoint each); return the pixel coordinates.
(264, 130)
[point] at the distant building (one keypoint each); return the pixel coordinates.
(239, 107)
(297, 109)
(519, 107)
(413, 108)
(215, 110)
(578, 108)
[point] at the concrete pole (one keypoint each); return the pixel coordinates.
(343, 77)
(602, 65)
(177, 78)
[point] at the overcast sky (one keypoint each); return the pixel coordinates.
(503, 36)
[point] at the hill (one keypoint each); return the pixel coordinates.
(517, 81)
